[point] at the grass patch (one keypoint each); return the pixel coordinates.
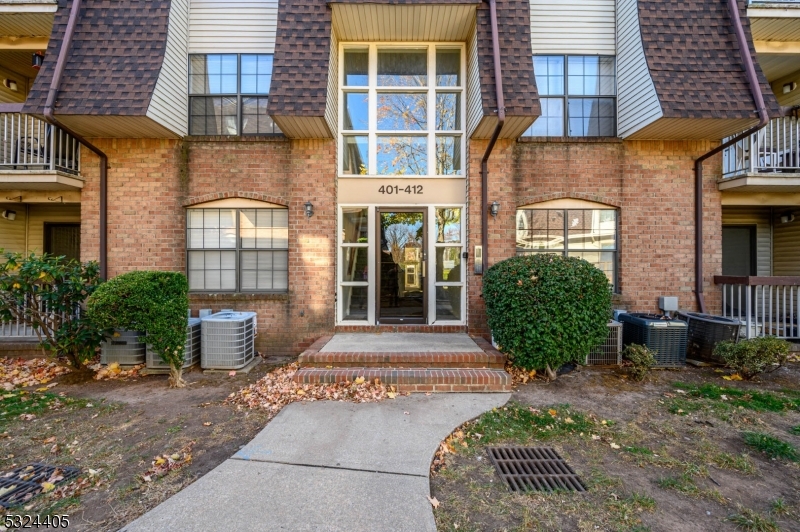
(771, 446)
(684, 483)
(18, 403)
(645, 502)
(682, 407)
(639, 451)
(795, 430)
(741, 463)
(759, 401)
(752, 521)
(521, 424)
(779, 506)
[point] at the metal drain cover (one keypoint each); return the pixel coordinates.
(23, 483)
(534, 468)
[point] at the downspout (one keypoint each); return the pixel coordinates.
(758, 98)
(501, 118)
(49, 115)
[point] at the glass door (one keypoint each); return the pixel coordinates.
(402, 264)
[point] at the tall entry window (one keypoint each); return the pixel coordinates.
(578, 96)
(228, 94)
(402, 110)
(588, 234)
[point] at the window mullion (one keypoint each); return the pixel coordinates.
(432, 156)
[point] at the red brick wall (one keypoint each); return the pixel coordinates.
(147, 193)
(652, 184)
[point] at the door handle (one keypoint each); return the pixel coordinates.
(424, 269)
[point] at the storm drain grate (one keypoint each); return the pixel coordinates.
(534, 468)
(23, 483)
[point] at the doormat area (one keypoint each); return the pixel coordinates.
(23, 483)
(534, 469)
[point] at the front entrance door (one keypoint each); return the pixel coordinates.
(402, 266)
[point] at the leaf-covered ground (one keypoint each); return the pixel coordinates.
(685, 450)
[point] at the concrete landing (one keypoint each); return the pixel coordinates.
(401, 342)
(327, 466)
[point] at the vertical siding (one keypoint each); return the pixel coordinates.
(169, 105)
(573, 26)
(39, 214)
(12, 234)
(637, 101)
(474, 103)
(760, 217)
(235, 26)
(787, 247)
(332, 105)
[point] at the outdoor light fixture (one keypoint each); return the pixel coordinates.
(10, 215)
(37, 60)
(787, 218)
(10, 84)
(789, 87)
(309, 209)
(494, 208)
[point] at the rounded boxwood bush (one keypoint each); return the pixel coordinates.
(547, 310)
(151, 301)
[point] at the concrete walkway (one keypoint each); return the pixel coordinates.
(327, 466)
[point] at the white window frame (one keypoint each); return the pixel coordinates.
(373, 89)
(430, 280)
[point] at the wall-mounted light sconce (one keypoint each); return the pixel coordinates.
(494, 208)
(10, 84)
(10, 215)
(309, 209)
(37, 60)
(787, 218)
(789, 87)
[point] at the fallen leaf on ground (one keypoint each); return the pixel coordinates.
(614, 446)
(391, 395)
(276, 389)
(114, 372)
(434, 502)
(18, 373)
(552, 412)
(163, 464)
(359, 380)
(231, 373)
(48, 486)
(207, 424)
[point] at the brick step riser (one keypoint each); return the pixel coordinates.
(400, 365)
(415, 380)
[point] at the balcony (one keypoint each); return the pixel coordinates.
(35, 155)
(766, 161)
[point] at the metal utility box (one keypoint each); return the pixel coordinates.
(191, 351)
(227, 340)
(124, 348)
(610, 352)
(665, 337)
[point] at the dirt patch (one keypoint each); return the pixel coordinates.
(655, 455)
(117, 429)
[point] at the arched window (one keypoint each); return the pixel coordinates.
(237, 245)
(573, 228)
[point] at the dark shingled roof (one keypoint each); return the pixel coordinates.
(514, 32)
(116, 57)
(302, 53)
(694, 59)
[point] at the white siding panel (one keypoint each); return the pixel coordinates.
(169, 105)
(238, 26)
(332, 104)
(760, 217)
(637, 101)
(474, 101)
(573, 27)
(787, 247)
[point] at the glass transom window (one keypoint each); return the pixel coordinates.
(589, 234)
(577, 94)
(401, 110)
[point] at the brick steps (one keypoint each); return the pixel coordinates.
(414, 379)
(480, 371)
(326, 359)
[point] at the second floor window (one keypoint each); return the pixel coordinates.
(402, 110)
(228, 94)
(578, 96)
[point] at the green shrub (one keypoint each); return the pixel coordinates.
(46, 292)
(755, 355)
(640, 359)
(546, 310)
(156, 303)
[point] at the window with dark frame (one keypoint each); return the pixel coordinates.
(589, 234)
(238, 250)
(228, 94)
(577, 94)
